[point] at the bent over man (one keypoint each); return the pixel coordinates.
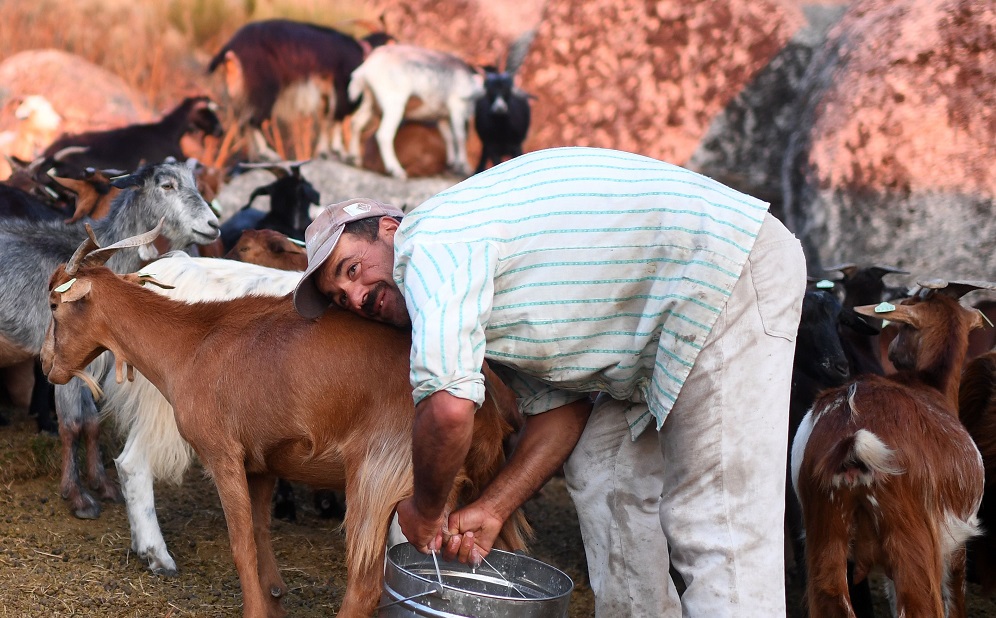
(576, 271)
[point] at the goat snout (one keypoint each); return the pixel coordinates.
(499, 106)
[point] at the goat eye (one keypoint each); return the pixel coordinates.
(167, 186)
(52, 307)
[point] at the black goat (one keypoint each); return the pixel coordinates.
(502, 115)
(127, 148)
(265, 59)
(820, 363)
(291, 196)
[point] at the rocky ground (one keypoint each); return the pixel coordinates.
(52, 564)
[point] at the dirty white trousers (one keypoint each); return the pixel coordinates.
(710, 484)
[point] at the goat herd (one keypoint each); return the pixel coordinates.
(886, 465)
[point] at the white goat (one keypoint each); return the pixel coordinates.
(413, 83)
(154, 448)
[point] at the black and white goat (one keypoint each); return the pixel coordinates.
(126, 148)
(305, 66)
(413, 83)
(502, 115)
(31, 250)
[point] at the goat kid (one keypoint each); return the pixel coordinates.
(502, 115)
(269, 248)
(886, 473)
(412, 83)
(350, 429)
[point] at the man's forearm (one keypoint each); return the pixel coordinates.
(546, 442)
(441, 437)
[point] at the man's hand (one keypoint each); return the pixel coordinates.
(425, 533)
(474, 530)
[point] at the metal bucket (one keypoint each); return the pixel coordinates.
(507, 585)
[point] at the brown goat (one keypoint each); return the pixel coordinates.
(269, 248)
(241, 377)
(886, 473)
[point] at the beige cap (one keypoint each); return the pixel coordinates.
(320, 239)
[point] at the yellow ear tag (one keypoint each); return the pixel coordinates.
(986, 318)
(825, 284)
(65, 286)
(884, 308)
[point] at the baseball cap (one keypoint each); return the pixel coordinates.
(320, 239)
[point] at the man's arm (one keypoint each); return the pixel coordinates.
(441, 437)
(546, 442)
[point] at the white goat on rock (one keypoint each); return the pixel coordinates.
(413, 83)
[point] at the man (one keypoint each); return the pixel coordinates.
(577, 271)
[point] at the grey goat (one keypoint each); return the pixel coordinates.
(30, 251)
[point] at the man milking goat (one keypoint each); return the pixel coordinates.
(575, 271)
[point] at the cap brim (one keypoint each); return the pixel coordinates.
(308, 299)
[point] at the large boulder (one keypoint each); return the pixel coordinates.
(646, 76)
(893, 158)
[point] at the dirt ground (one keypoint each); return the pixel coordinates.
(52, 564)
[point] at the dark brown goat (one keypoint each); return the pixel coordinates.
(887, 474)
(266, 59)
(977, 408)
(337, 414)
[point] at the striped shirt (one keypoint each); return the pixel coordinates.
(578, 270)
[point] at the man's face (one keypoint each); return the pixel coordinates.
(357, 277)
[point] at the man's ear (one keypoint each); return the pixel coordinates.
(388, 226)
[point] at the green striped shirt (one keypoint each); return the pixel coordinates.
(577, 270)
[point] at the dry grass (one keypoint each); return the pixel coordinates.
(158, 48)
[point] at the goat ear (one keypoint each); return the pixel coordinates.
(140, 278)
(979, 320)
(850, 319)
(124, 182)
(907, 314)
(74, 291)
(148, 252)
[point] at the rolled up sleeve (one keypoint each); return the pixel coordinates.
(449, 290)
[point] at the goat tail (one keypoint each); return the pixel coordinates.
(383, 479)
(858, 459)
(357, 84)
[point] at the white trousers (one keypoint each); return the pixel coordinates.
(711, 483)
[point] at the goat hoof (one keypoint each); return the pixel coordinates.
(164, 572)
(276, 592)
(88, 509)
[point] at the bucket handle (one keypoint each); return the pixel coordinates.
(411, 598)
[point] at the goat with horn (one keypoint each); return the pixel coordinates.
(31, 250)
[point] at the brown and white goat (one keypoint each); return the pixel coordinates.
(350, 428)
(886, 473)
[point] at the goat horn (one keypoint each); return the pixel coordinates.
(517, 51)
(69, 150)
(82, 251)
(955, 289)
(101, 255)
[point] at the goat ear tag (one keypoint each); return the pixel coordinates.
(825, 284)
(884, 307)
(985, 317)
(65, 286)
(299, 243)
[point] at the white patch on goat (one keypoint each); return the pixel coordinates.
(799, 447)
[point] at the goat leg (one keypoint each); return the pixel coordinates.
(225, 465)
(67, 408)
(260, 494)
(136, 477)
(81, 503)
(96, 473)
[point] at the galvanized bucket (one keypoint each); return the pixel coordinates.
(506, 585)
